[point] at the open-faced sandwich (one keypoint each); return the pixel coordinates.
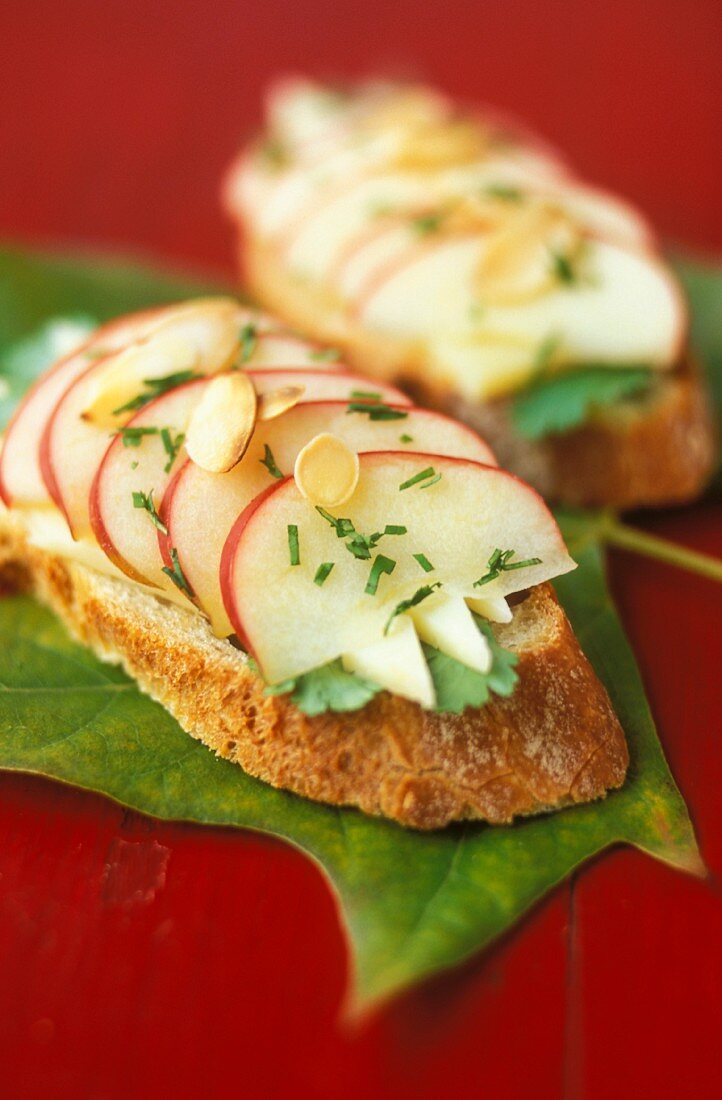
(334, 588)
(463, 261)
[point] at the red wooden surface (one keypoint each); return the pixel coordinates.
(140, 959)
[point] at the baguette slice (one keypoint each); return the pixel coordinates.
(555, 741)
(352, 191)
(657, 452)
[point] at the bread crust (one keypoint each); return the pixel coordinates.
(553, 742)
(651, 453)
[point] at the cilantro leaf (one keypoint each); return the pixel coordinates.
(559, 402)
(458, 686)
(327, 688)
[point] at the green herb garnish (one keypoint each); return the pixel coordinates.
(504, 192)
(322, 572)
(325, 355)
(248, 338)
(342, 527)
(423, 475)
(380, 566)
(423, 562)
(171, 446)
(145, 501)
(357, 543)
(413, 601)
(293, 550)
(376, 410)
(562, 267)
(457, 686)
(177, 575)
(270, 463)
(427, 223)
(561, 401)
(404, 438)
(369, 394)
(155, 387)
(327, 688)
(133, 437)
(500, 562)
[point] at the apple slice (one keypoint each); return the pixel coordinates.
(21, 480)
(625, 306)
(458, 521)
(198, 501)
(278, 351)
(327, 385)
(199, 338)
(396, 662)
(128, 487)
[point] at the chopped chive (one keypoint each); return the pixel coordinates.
(423, 562)
(562, 267)
(380, 566)
(177, 575)
(342, 527)
(421, 476)
(269, 462)
(145, 500)
(428, 484)
(504, 192)
(370, 394)
(325, 355)
(322, 572)
(427, 223)
(404, 438)
(405, 605)
(293, 544)
(133, 437)
(171, 446)
(155, 387)
(376, 410)
(394, 529)
(500, 562)
(248, 338)
(134, 465)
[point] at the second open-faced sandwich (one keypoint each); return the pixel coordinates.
(463, 261)
(338, 590)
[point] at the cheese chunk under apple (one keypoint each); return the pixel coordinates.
(200, 508)
(456, 521)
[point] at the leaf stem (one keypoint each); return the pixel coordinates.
(651, 546)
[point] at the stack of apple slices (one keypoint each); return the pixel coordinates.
(228, 464)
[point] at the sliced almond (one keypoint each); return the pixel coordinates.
(326, 470)
(201, 336)
(277, 402)
(517, 265)
(222, 425)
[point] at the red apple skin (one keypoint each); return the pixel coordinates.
(47, 470)
(355, 381)
(230, 597)
(228, 555)
(96, 519)
(95, 338)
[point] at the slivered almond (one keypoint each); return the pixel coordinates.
(277, 402)
(221, 426)
(326, 470)
(517, 265)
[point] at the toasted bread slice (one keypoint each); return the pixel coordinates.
(555, 741)
(659, 451)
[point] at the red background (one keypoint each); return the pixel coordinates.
(142, 959)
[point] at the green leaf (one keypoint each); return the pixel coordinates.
(412, 903)
(558, 402)
(458, 686)
(327, 688)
